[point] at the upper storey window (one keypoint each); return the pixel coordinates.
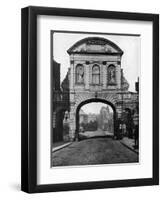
(79, 73)
(111, 74)
(96, 74)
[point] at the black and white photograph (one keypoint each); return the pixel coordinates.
(95, 81)
(90, 99)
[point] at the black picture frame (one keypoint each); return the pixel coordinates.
(29, 98)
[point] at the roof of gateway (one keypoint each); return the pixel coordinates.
(96, 45)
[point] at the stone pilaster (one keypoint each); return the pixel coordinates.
(118, 76)
(119, 111)
(72, 124)
(104, 76)
(72, 75)
(90, 73)
(86, 67)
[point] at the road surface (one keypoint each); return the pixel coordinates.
(94, 151)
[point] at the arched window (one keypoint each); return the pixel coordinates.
(111, 74)
(79, 73)
(96, 74)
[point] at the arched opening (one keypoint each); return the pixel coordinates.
(95, 118)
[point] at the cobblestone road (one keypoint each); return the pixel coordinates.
(94, 151)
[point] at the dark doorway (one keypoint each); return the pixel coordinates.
(58, 129)
(128, 121)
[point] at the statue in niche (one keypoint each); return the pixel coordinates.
(80, 74)
(96, 74)
(111, 75)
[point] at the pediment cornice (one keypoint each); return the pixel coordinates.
(95, 45)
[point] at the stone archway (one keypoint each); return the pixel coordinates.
(91, 101)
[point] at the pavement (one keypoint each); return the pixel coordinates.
(129, 143)
(59, 145)
(83, 135)
(94, 151)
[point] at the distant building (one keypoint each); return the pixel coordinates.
(92, 117)
(83, 117)
(87, 118)
(60, 104)
(105, 119)
(56, 75)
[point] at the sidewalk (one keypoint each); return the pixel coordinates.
(129, 143)
(59, 145)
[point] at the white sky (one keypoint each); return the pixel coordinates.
(94, 108)
(130, 45)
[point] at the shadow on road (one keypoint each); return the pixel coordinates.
(84, 137)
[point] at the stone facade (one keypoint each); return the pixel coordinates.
(109, 83)
(95, 75)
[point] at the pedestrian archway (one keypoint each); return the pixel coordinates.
(95, 118)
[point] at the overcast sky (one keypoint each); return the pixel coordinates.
(130, 45)
(94, 108)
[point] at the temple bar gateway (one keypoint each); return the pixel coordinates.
(95, 75)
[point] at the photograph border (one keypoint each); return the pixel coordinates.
(29, 98)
